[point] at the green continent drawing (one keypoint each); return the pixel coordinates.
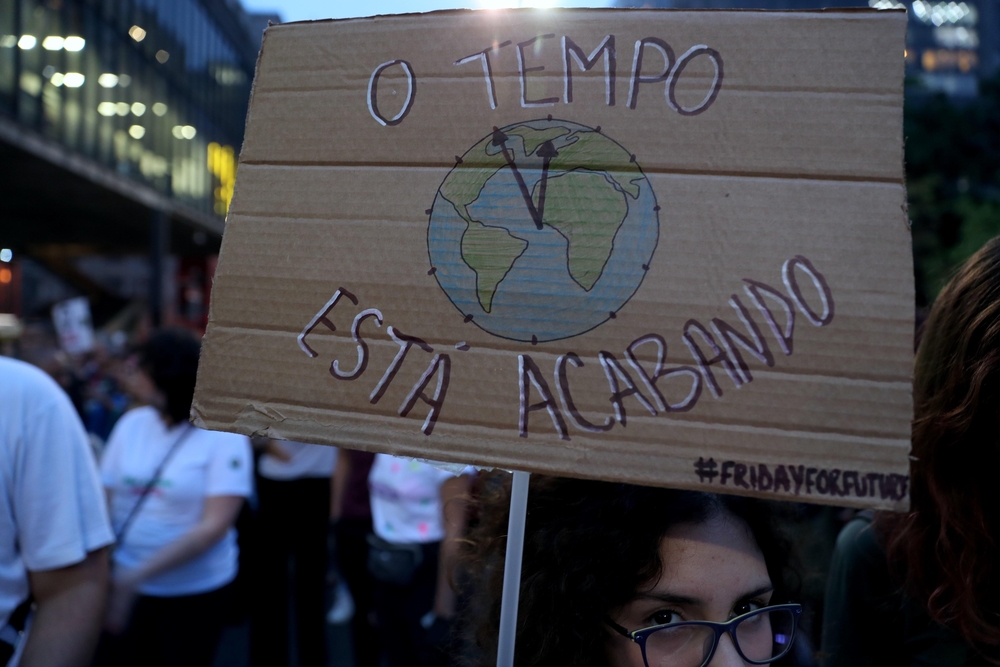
(490, 252)
(587, 209)
(542, 220)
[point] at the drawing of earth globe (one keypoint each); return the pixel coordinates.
(543, 230)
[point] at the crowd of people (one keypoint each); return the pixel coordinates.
(139, 543)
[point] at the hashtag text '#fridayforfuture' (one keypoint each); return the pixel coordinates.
(801, 479)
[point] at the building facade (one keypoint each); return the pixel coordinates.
(120, 126)
(950, 45)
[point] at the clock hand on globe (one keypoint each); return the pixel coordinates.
(546, 151)
(500, 140)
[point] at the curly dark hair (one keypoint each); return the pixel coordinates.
(589, 548)
(945, 549)
(170, 358)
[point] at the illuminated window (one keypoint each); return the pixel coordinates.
(222, 165)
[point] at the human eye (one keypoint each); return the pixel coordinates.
(746, 606)
(664, 617)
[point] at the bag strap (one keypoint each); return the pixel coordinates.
(154, 480)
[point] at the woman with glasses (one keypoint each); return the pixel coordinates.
(923, 588)
(616, 575)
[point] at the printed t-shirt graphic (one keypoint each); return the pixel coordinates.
(207, 463)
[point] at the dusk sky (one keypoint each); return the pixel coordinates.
(302, 10)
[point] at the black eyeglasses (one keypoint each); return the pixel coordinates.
(760, 637)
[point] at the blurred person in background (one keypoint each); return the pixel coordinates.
(293, 496)
(350, 512)
(174, 492)
(418, 516)
(616, 575)
(923, 587)
(53, 526)
(104, 401)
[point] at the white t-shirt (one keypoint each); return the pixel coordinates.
(406, 500)
(52, 511)
(206, 463)
(306, 461)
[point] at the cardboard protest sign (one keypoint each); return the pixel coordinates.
(663, 247)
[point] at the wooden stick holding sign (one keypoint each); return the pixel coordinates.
(512, 569)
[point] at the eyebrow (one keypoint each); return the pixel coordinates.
(672, 598)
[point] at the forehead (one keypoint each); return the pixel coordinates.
(719, 555)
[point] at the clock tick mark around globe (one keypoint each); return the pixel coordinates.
(543, 230)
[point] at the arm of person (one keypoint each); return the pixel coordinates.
(218, 516)
(338, 484)
(454, 494)
(70, 604)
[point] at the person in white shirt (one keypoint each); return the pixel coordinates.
(53, 526)
(418, 515)
(293, 493)
(175, 492)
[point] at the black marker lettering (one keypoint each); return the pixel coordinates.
(484, 57)
(637, 76)
(586, 63)
(862, 487)
(704, 363)
(660, 373)
(871, 478)
(764, 479)
(781, 479)
(810, 482)
(798, 474)
(441, 366)
(825, 295)
(738, 474)
(614, 372)
(523, 72)
(362, 346)
(562, 385)
(675, 74)
(528, 371)
(823, 482)
(850, 481)
(321, 316)
(726, 467)
(757, 291)
(411, 93)
(732, 339)
(405, 343)
(834, 477)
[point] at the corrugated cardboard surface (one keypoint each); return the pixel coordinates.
(798, 156)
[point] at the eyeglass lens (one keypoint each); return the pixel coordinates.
(762, 638)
